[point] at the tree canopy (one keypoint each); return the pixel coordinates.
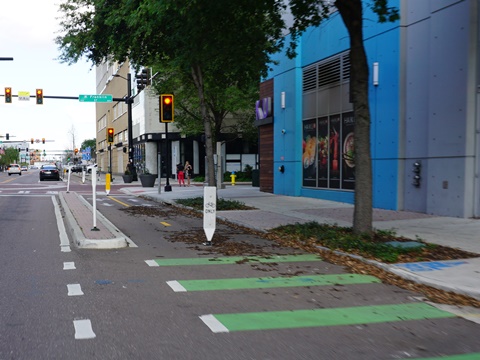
(222, 46)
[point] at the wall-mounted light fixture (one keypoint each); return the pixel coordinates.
(282, 99)
(417, 169)
(375, 73)
(281, 168)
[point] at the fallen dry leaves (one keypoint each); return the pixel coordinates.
(268, 244)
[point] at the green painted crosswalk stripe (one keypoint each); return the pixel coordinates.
(275, 282)
(472, 356)
(235, 259)
(322, 317)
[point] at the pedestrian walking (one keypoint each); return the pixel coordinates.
(180, 174)
(188, 172)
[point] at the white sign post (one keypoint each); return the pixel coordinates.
(209, 212)
(94, 201)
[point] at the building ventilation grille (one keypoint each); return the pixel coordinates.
(310, 78)
(332, 71)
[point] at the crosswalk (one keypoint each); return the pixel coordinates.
(292, 318)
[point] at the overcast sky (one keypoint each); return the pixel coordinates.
(27, 32)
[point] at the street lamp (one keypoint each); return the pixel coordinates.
(129, 101)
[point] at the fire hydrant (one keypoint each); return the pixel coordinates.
(233, 176)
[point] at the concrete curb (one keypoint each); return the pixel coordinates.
(79, 238)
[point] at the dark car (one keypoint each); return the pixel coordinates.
(49, 172)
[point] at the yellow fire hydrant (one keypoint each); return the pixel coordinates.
(233, 176)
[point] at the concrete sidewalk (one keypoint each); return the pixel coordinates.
(462, 277)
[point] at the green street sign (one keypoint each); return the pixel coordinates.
(95, 98)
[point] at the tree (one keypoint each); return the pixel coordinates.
(9, 156)
(212, 42)
(313, 12)
(91, 143)
(223, 100)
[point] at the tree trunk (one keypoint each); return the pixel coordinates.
(352, 15)
(198, 80)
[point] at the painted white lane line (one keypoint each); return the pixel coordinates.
(74, 290)
(214, 325)
(64, 242)
(69, 266)
(176, 286)
(151, 262)
(83, 329)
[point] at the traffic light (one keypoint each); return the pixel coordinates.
(143, 79)
(8, 95)
(43, 140)
(166, 108)
(39, 95)
(31, 141)
(8, 136)
(110, 133)
(75, 151)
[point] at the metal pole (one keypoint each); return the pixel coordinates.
(130, 127)
(169, 160)
(110, 160)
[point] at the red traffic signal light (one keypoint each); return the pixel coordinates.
(75, 151)
(110, 133)
(39, 96)
(8, 95)
(166, 108)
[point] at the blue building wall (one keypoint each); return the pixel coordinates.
(331, 38)
(423, 109)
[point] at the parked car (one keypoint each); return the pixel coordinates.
(49, 172)
(14, 169)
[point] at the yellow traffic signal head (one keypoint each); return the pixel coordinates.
(39, 96)
(166, 108)
(110, 134)
(8, 95)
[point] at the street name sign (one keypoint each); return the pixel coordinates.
(95, 98)
(24, 95)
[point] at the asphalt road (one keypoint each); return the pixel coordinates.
(168, 299)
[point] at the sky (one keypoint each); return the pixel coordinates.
(27, 33)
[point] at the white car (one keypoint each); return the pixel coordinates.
(14, 169)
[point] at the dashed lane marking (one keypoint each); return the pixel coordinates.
(83, 329)
(118, 201)
(69, 266)
(165, 223)
(74, 290)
